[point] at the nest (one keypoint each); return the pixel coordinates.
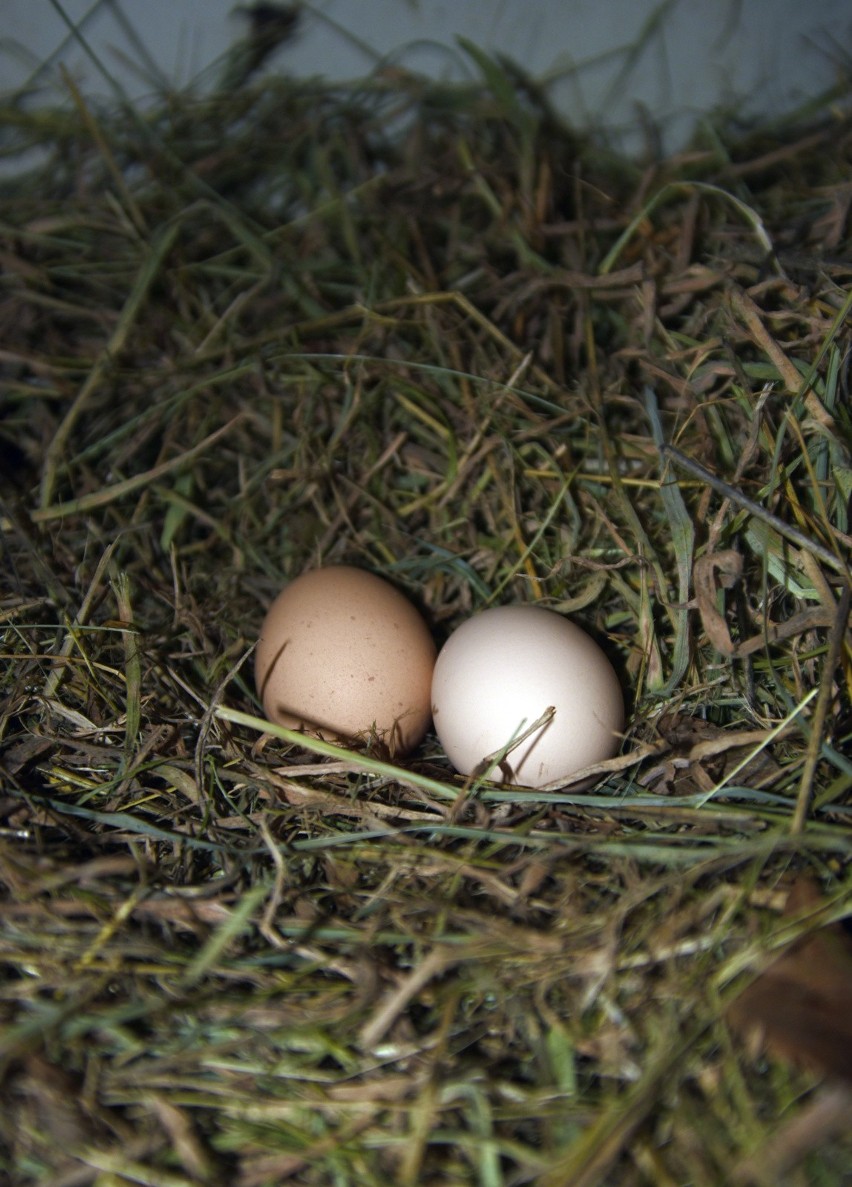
(434, 332)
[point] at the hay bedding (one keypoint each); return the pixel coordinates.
(433, 332)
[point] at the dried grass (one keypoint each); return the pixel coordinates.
(434, 332)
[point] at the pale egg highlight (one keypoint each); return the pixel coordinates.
(499, 673)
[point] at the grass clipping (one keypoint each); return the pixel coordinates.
(433, 332)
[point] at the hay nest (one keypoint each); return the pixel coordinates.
(434, 332)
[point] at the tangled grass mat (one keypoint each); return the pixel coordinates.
(433, 332)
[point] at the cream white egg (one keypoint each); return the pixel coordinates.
(501, 671)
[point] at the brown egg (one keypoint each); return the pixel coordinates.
(343, 655)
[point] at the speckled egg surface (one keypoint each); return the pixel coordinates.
(500, 671)
(344, 655)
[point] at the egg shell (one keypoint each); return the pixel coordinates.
(344, 655)
(500, 671)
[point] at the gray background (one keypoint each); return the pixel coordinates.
(760, 56)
